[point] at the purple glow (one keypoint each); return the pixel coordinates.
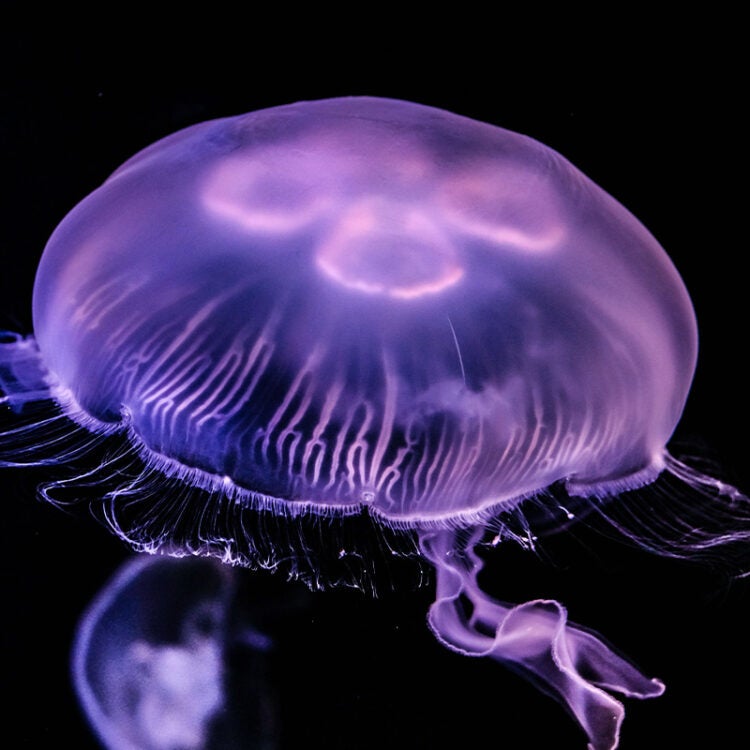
(368, 302)
(571, 664)
(365, 303)
(150, 664)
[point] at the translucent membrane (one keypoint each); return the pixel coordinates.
(365, 307)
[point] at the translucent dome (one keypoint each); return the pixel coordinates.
(367, 301)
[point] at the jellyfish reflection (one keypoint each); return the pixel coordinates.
(368, 308)
(152, 661)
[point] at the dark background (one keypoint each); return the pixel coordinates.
(653, 119)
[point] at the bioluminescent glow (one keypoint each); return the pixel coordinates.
(150, 662)
(358, 308)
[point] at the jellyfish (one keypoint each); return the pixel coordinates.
(151, 660)
(360, 309)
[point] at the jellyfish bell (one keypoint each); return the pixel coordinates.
(312, 302)
(152, 660)
(371, 307)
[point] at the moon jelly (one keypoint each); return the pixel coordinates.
(375, 309)
(151, 661)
